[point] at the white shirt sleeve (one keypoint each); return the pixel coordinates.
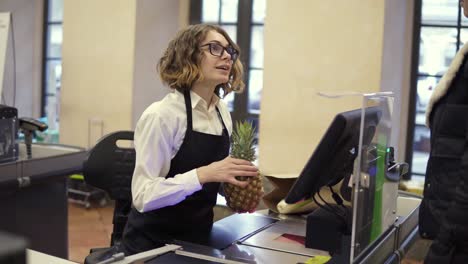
(154, 150)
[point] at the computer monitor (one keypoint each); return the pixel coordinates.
(333, 159)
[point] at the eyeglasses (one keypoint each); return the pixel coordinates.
(218, 50)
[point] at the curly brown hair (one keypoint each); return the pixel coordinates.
(179, 67)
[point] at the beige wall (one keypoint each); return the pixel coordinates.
(156, 23)
(97, 75)
(110, 51)
(318, 46)
(27, 25)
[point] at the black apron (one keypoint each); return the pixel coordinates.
(190, 220)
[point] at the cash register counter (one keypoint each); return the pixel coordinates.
(266, 237)
(33, 196)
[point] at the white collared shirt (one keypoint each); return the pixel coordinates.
(159, 134)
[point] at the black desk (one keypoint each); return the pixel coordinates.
(33, 196)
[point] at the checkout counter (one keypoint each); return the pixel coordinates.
(33, 195)
(33, 184)
(266, 237)
(259, 238)
(384, 220)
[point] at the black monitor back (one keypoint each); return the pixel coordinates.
(333, 159)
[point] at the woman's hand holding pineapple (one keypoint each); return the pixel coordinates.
(226, 170)
(243, 187)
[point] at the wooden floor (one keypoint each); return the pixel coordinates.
(88, 228)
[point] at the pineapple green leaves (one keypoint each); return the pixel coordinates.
(243, 141)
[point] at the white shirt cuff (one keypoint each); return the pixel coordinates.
(193, 182)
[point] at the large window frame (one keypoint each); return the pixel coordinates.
(53, 17)
(244, 39)
(415, 113)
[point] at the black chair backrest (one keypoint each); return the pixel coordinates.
(110, 168)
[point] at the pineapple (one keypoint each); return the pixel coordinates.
(246, 199)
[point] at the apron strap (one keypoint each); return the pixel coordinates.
(188, 109)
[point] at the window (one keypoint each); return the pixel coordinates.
(244, 22)
(52, 60)
(440, 31)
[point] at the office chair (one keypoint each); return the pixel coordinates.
(110, 168)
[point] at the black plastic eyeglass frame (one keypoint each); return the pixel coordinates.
(230, 50)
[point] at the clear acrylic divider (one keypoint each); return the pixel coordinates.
(374, 193)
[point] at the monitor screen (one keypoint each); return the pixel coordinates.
(333, 159)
